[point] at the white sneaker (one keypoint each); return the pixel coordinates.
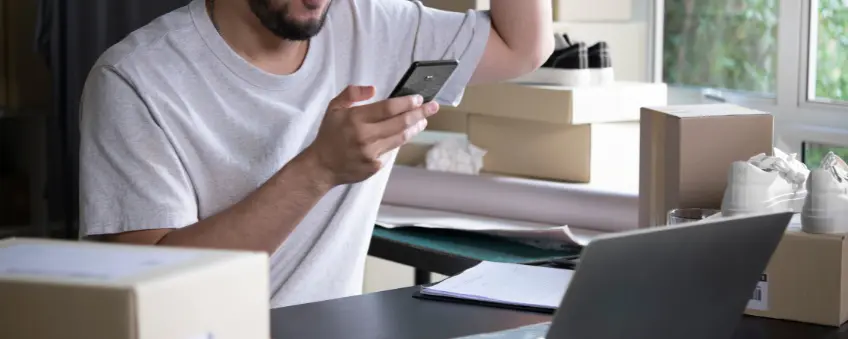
(826, 207)
(765, 184)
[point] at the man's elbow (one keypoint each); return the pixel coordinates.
(533, 58)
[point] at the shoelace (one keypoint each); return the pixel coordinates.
(836, 166)
(789, 168)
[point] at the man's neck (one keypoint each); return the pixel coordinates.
(242, 30)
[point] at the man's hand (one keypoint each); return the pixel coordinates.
(351, 138)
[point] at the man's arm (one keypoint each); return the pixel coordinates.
(260, 222)
(347, 149)
(520, 41)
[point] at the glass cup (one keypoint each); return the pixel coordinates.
(684, 215)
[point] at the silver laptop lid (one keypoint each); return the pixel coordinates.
(690, 281)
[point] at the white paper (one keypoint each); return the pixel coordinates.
(577, 205)
(99, 263)
(759, 301)
(510, 284)
(391, 216)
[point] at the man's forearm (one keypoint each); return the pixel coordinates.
(265, 218)
(525, 26)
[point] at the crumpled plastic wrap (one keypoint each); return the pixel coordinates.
(455, 155)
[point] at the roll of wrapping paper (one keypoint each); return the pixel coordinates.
(594, 207)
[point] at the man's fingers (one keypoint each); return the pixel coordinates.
(351, 95)
(403, 121)
(387, 144)
(389, 108)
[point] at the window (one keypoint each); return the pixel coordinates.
(786, 57)
(727, 44)
(813, 153)
(829, 51)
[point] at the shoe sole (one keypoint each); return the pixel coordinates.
(776, 204)
(821, 224)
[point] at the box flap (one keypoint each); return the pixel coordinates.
(706, 110)
(91, 263)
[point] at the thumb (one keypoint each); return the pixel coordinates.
(350, 95)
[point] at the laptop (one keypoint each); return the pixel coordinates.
(688, 281)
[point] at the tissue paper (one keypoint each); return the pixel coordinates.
(455, 156)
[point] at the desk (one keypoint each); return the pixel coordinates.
(396, 314)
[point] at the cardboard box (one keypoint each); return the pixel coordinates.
(618, 102)
(449, 119)
(457, 5)
(414, 152)
(574, 153)
(85, 290)
(806, 280)
(686, 152)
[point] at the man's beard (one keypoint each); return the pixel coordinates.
(278, 22)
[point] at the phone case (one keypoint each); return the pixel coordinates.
(425, 78)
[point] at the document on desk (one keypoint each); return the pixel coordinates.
(391, 216)
(506, 284)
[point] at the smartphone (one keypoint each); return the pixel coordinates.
(425, 78)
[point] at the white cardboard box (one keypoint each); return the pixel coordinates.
(86, 290)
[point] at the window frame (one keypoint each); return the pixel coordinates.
(798, 116)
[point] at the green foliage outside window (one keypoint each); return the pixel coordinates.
(813, 153)
(732, 44)
(832, 67)
(721, 44)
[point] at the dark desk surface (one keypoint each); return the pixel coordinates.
(397, 315)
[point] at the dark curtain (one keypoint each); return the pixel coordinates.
(71, 36)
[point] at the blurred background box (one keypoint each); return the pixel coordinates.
(686, 152)
(617, 102)
(414, 152)
(562, 152)
(448, 119)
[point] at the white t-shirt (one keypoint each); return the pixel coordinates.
(177, 127)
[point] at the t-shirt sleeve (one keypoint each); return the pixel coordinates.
(130, 175)
(430, 34)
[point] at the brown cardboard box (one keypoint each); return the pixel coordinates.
(24, 77)
(686, 152)
(84, 290)
(448, 119)
(575, 153)
(806, 280)
(414, 152)
(620, 101)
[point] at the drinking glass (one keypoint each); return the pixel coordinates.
(684, 215)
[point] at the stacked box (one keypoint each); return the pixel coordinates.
(557, 133)
(686, 152)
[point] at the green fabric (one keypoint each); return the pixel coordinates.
(471, 245)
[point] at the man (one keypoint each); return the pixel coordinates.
(263, 125)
